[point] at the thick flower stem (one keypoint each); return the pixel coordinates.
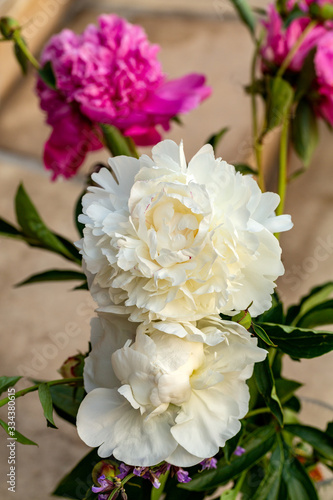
(33, 388)
(282, 186)
(258, 411)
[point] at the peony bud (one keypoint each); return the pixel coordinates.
(73, 366)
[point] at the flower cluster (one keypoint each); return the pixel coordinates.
(312, 35)
(168, 246)
(109, 74)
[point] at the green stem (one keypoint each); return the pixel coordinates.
(282, 186)
(257, 142)
(33, 388)
(19, 41)
(258, 411)
(289, 57)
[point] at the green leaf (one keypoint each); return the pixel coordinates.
(285, 388)
(84, 286)
(76, 484)
(307, 75)
(229, 495)
(295, 478)
(274, 314)
(45, 398)
(116, 142)
(66, 401)
(245, 13)
(245, 169)
(293, 404)
(329, 429)
(53, 275)
(47, 75)
(9, 231)
(231, 445)
(279, 101)
(259, 443)
(305, 131)
(269, 488)
(300, 342)
(319, 440)
(260, 332)
(6, 382)
(34, 228)
(321, 314)
(156, 493)
(215, 139)
(266, 386)
(316, 296)
(21, 57)
(17, 435)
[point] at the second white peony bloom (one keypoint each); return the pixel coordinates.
(163, 397)
(171, 241)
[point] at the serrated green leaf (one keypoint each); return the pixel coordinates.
(53, 275)
(17, 435)
(6, 382)
(305, 134)
(34, 228)
(300, 342)
(45, 398)
(260, 332)
(266, 386)
(279, 100)
(215, 139)
(245, 13)
(259, 443)
(319, 440)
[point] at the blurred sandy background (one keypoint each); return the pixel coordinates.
(195, 35)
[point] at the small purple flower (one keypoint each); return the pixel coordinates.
(182, 476)
(209, 463)
(239, 451)
(104, 485)
(124, 470)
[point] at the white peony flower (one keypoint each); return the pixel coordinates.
(164, 397)
(171, 241)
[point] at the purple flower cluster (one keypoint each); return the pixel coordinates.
(109, 74)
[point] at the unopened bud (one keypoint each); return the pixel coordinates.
(103, 468)
(73, 366)
(243, 318)
(8, 26)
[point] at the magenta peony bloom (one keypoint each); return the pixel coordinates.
(279, 41)
(109, 74)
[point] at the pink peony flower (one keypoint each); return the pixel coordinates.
(108, 74)
(279, 41)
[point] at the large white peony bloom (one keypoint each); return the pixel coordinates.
(171, 241)
(164, 397)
